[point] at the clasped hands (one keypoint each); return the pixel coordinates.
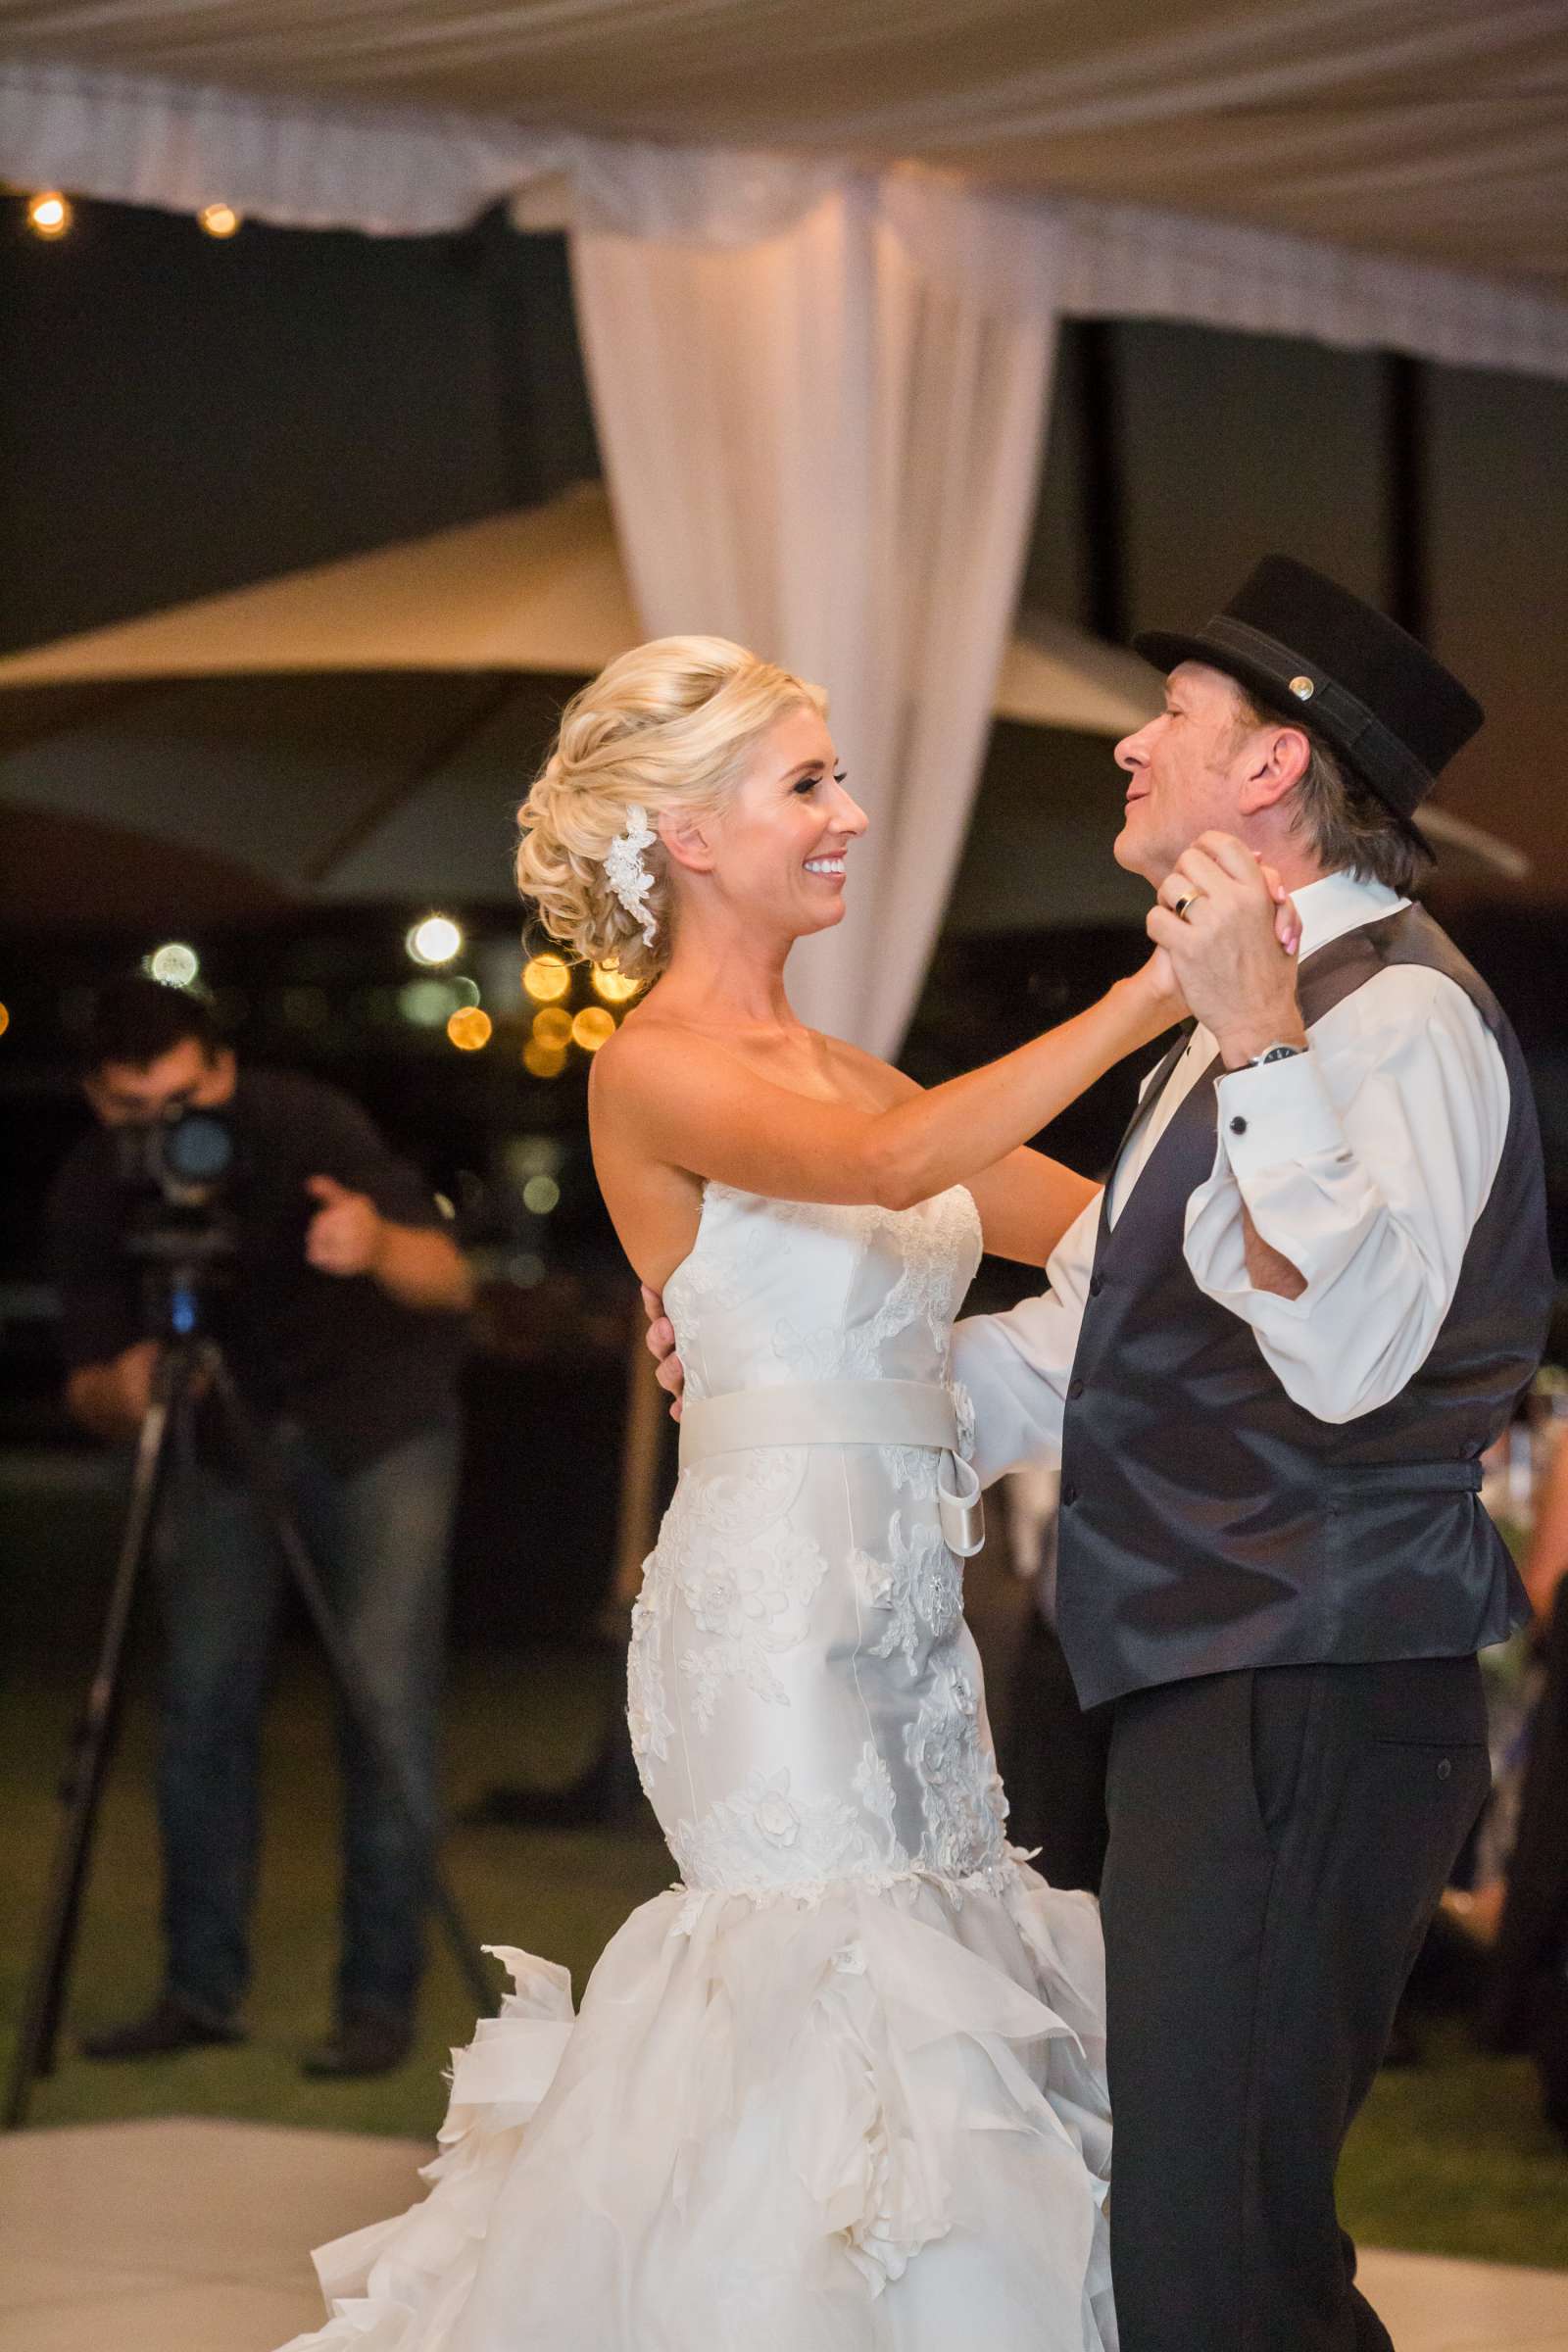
(1233, 946)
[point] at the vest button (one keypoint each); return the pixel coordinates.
(1445, 1768)
(1075, 1389)
(1069, 1495)
(1238, 1126)
(1096, 1283)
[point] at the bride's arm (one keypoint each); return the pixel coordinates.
(1026, 1202)
(665, 1094)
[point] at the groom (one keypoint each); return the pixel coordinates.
(1271, 1356)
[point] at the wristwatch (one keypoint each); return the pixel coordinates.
(1261, 1062)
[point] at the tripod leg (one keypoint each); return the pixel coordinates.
(81, 1783)
(349, 1675)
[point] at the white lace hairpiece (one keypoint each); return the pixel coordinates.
(628, 877)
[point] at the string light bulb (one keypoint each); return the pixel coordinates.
(49, 214)
(552, 1027)
(435, 940)
(592, 1028)
(469, 1029)
(614, 986)
(219, 219)
(174, 963)
(545, 979)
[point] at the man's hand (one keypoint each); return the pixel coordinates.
(112, 1398)
(670, 1372)
(345, 1234)
(1226, 949)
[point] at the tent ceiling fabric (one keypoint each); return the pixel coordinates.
(1426, 129)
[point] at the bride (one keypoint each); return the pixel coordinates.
(842, 2089)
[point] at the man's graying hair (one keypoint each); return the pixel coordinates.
(1347, 826)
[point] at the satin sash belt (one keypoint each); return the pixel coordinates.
(846, 1412)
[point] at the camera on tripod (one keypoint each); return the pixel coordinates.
(176, 1173)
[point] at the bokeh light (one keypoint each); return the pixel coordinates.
(614, 986)
(543, 1061)
(5, 1019)
(593, 1027)
(552, 1027)
(547, 979)
(540, 1195)
(427, 1004)
(49, 214)
(175, 963)
(219, 219)
(469, 1029)
(434, 940)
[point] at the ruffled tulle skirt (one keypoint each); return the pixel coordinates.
(873, 2121)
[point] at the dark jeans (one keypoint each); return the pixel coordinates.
(379, 1539)
(1277, 1843)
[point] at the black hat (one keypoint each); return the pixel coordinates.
(1306, 647)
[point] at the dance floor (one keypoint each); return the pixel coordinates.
(190, 2236)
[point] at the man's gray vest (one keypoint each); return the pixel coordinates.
(1207, 1521)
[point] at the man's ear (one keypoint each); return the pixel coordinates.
(687, 840)
(1277, 761)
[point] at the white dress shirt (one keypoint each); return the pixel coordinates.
(1365, 1161)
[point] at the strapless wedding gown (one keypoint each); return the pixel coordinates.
(842, 2089)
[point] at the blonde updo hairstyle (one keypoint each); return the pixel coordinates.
(671, 726)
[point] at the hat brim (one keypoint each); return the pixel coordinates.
(1166, 650)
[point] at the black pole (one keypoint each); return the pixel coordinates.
(82, 1779)
(1104, 496)
(1406, 538)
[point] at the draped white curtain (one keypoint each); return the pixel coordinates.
(819, 389)
(814, 448)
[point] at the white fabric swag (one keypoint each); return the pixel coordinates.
(819, 390)
(814, 448)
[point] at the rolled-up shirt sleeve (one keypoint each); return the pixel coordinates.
(1016, 1366)
(1364, 1161)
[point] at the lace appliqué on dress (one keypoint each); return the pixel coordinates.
(763, 1839)
(961, 1793)
(747, 1574)
(937, 1253)
(872, 1784)
(920, 1586)
(647, 1717)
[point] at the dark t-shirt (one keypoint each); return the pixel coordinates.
(358, 1371)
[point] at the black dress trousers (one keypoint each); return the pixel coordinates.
(1279, 1839)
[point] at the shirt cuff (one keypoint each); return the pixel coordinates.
(1281, 1112)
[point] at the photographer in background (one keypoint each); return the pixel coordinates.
(342, 1314)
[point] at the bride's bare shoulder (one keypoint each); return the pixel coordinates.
(648, 1049)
